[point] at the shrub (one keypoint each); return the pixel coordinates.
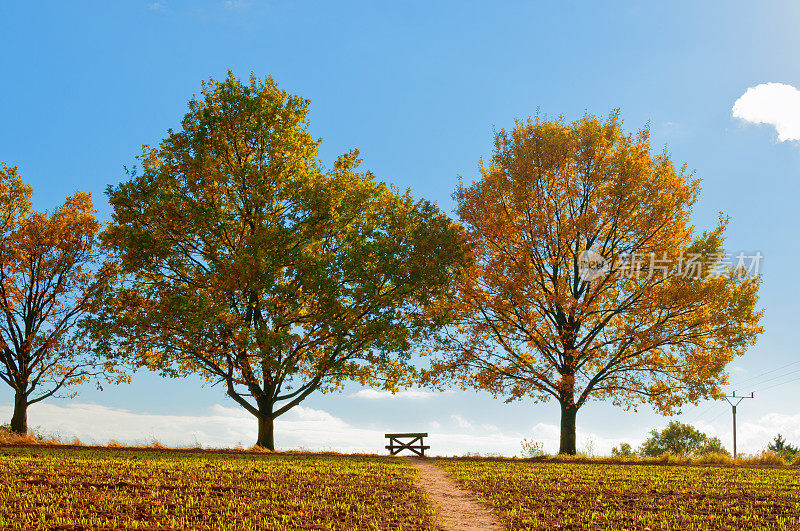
(34, 436)
(715, 458)
(681, 440)
(532, 448)
(780, 447)
(624, 450)
(765, 458)
(259, 449)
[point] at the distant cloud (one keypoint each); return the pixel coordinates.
(155, 6)
(775, 104)
(221, 427)
(753, 435)
(302, 427)
(316, 429)
(464, 423)
(413, 394)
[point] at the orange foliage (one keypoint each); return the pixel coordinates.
(47, 279)
(534, 325)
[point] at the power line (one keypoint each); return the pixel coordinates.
(766, 372)
(778, 385)
(713, 406)
(718, 415)
(778, 377)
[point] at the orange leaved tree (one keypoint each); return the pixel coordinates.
(48, 276)
(589, 282)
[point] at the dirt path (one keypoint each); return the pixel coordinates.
(458, 508)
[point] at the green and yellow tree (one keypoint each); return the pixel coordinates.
(589, 283)
(242, 260)
(50, 272)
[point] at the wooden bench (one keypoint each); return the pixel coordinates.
(395, 445)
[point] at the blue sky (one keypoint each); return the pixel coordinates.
(418, 88)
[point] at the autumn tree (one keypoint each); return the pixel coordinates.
(589, 283)
(49, 273)
(242, 260)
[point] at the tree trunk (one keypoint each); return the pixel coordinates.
(19, 421)
(266, 430)
(568, 413)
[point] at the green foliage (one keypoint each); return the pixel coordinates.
(624, 450)
(785, 450)
(242, 260)
(681, 440)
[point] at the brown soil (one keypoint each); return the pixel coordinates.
(458, 509)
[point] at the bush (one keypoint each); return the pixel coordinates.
(624, 450)
(32, 437)
(680, 440)
(532, 448)
(765, 458)
(259, 449)
(715, 458)
(785, 450)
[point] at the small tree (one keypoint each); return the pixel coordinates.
(782, 448)
(242, 260)
(624, 450)
(680, 439)
(47, 281)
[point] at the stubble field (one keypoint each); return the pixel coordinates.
(74, 488)
(530, 495)
(91, 489)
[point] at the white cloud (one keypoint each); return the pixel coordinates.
(155, 6)
(316, 429)
(221, 427)
(413, 394)
(775, 104)
(465, 424)
(752, 436)
(302, 427)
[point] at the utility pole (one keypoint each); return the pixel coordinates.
(734, 401)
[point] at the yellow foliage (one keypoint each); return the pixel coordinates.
(533, 324)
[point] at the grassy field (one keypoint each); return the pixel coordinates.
(75, 489)
(530, 495)
(78, 488)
